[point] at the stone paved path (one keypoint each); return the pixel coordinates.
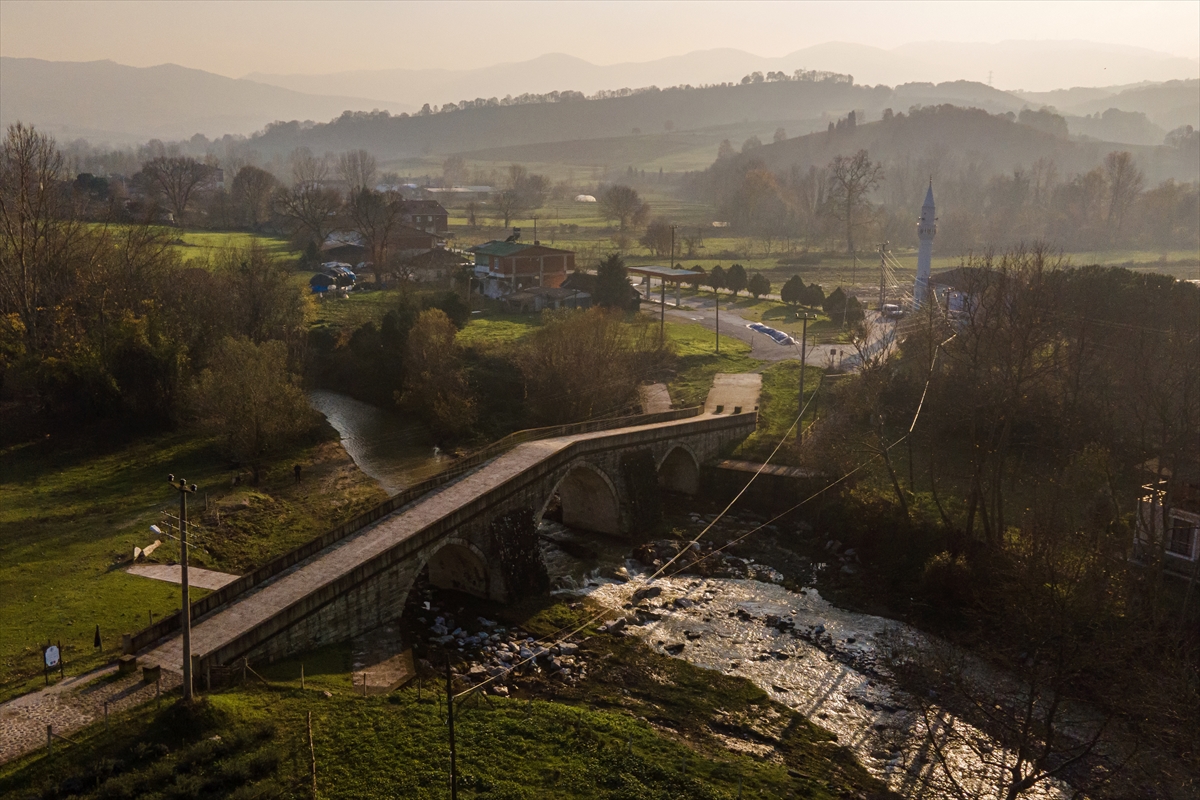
(71, 705)
(654, 398)
(173, 573)
(731, 391)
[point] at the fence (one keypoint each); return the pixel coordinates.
(132, 643)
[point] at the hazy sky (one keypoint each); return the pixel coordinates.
(235, 38)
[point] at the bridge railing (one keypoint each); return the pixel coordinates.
(132, 643)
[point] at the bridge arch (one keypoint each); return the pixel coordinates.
(589, 499)
(679, 470)
(460, 566)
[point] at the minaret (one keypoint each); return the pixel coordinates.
(926, 230)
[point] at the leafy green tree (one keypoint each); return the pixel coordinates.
(843, 309)
(699, 278)
(716, 278)
(758, 285)
(813, 295)
(736, 280)
(792, 292)
(249, 399)
(612, 284)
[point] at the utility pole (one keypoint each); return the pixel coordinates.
(717, 306)
(184, 490)
(662, 311)
(803, 362)
(450, 719)
(881, 267)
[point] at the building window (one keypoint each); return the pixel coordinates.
(1180, 541)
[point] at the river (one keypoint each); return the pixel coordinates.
(395, 450)
(826, 662)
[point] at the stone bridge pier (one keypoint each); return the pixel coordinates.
(472, 534)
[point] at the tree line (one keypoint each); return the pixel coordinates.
(1009, 444)
(855, 197)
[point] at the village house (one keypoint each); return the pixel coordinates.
(1168, 527)
(509, 266)
(425, 215)
(438, 265)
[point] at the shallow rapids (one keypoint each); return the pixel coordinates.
(822, 661)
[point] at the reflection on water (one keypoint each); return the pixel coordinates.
(394, 450)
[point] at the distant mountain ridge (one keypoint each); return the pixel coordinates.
(106, 101)
(1027, 64)
(481, 128)
(946, 138)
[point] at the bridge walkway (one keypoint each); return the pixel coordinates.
(262, 603)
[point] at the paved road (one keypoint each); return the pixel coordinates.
(822, 354)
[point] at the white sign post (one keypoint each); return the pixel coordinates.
(52, 656)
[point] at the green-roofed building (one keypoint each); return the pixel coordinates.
(503, 267)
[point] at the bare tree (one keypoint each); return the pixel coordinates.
(623, 204)
(851, 179)
(251, 195)
(375, 216)
(177, 178)
(357, 169)
(307, 169)
(454, 171)
(1125, 183)
(524, 192)
(311, 209)
(41, 246)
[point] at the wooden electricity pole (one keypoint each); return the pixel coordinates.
(184, 490)
(450, 709)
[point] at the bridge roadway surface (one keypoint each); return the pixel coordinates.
(259, 605)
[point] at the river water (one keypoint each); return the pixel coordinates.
(831, 667)
(825, 662)
(395, 450)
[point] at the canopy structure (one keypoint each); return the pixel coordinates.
(664, 275)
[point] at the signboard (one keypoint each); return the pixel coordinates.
(51, 657)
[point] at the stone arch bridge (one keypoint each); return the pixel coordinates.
(358, 578)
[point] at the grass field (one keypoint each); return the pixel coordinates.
(205, 244)
(642, 725)
(71, 514)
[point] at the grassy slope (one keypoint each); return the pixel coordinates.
(71, 514)
(627, 731)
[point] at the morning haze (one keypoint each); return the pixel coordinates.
(600, 400)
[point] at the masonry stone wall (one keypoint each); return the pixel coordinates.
(375, 592)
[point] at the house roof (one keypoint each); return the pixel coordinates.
(666, 273)
(343, 239)
(505, 249)
(437, 257)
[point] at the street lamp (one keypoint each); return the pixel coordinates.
(184, 490)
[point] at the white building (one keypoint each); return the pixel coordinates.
(926, 230)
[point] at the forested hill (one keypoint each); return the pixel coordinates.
(484, 125)
(947, 138)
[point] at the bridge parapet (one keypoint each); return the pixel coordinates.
(362, 579)
(170, 624)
